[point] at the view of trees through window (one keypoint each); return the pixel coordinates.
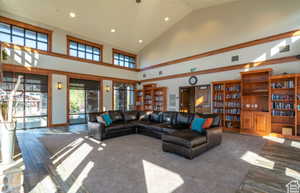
(84, 99)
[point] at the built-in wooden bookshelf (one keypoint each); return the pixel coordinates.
(139, 100)
(160, 99)
(218, 100)
(255, 114)
(282, 104)
(227, 103)
(151, 98)
(259, 104)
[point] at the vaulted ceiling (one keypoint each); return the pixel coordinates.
(96, 18)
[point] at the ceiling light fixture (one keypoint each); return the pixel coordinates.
(72, 14)
(140, 41)
(113, 30)
(167, 19)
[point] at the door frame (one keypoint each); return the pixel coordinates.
(194, 86)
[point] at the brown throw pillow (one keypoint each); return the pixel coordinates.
(208, 122)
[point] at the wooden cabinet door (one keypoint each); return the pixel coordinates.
(261, 122)
(247, 120)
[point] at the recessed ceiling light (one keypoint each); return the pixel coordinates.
(140, 41)
(167, 19)
(72, 14)
(113, 30)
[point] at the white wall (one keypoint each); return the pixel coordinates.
(221, 26)
(218, 27)
(59, 99)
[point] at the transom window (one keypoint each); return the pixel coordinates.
(23, 37)
(124, 59)
(85, 50)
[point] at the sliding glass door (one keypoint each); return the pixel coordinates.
(31, 99)
(124, 97)
(84, 99)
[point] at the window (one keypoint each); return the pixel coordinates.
(84, 99)
(84, 49)
(31, 99)
(24, 35)
(124, 97)
(124, 59)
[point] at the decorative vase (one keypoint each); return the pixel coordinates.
(8, 131)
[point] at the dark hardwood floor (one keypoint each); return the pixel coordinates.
(276, 165)
(39, 175)
(280, 164)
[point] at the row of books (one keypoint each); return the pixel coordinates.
(159, 98)
(283, 113)
(218, 110)
(233, 96)
(285, 106)
(218, 97)
(233, 111)
(284, 84)
(235, 88)
(219, 87)
(232, 118)
(282, 97)
(233, 104)
(218, 104)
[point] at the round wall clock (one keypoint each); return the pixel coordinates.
(193, 80)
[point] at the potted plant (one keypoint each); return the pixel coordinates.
(8, 106)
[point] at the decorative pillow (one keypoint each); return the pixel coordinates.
(197, 125)
(107, 119)
(208, 123)
(100, 120)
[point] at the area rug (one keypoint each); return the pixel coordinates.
(136, 164)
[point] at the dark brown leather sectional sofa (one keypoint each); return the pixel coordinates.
(172, 127)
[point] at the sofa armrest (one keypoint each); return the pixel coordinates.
(96, 130)
(214, 136)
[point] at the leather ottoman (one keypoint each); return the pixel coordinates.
(186, 143)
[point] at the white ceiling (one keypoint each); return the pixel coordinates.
(95, 18)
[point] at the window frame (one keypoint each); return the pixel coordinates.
(125, 90)
(29, 27)
(125, 54)
(86, 43)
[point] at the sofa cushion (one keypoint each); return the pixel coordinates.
(186, 138)
(149, 125)
(169, 117)
(197, 125)
(216, 121)
(208, 123)
(130, 116)
(115, 127)
(156, 117)
(116, 116)
(107, 119)
(166, 128)
(144, 115)
(184, 119)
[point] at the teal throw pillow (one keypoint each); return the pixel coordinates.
(107, 119)
(197, 125)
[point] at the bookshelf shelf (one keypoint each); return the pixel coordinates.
(151, 98)
(227, 102)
